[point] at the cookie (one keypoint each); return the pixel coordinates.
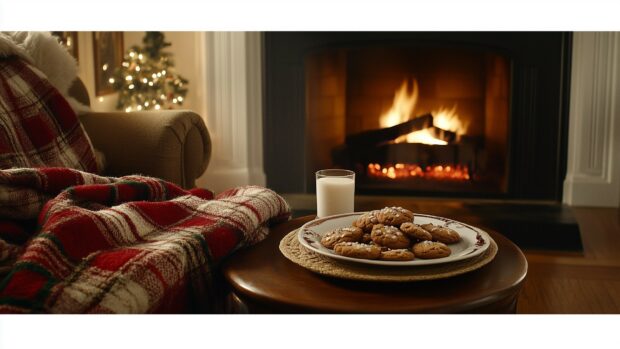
(430, 250)
(357, 250)
(414, 231)
(442, 234)
(349, 234)
(397, 255)
(383, 248)
(394, 216)
(389, 236)
(366, 221)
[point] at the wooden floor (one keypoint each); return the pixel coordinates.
(585, 282)
(578, 283)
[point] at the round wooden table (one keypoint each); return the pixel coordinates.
(262, 280)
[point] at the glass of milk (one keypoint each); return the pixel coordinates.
(335, 192)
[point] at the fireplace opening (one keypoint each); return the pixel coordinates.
(424, 119)
(326, 91)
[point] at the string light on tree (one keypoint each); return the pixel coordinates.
(147, 79)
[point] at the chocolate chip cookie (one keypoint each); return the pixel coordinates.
(414, 231)
(357, 250)
(430, 250)
(442, 234)
(389, 236)
(348, 234)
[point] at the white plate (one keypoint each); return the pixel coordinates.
(474, 241)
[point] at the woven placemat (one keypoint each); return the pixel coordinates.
(294, 251)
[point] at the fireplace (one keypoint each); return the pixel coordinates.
(438, 114)
(431, 119)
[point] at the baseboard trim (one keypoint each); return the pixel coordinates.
(593, 192)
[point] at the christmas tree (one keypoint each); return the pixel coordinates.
(146, 79)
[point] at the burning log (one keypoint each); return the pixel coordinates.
(390, 146)
(465, 154)
(444, 135)
(372, 138)
(421, 154)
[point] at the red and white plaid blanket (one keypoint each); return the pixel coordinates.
(38, 128)
(121, 245)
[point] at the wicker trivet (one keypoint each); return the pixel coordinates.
(293, 250)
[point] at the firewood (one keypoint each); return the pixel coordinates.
(374, 137)
(444, 135)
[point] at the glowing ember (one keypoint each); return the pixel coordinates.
(404, 171)
(403, 108)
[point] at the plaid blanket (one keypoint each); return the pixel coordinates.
(38, 128)
(123, 245)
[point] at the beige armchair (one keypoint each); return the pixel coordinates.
(171, 144)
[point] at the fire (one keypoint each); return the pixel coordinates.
(403, 108)
(448, 119)
(422, 136)
(403, 171)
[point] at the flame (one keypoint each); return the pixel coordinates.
(404, 171)
(448, 119)
(403, 108)
(422, 136)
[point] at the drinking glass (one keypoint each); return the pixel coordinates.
(335, 192)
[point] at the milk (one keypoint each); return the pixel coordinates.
(334, 195)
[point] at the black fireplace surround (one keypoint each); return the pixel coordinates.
(538, 111)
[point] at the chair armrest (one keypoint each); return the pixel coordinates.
(173, 145)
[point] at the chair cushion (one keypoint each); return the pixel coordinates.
(38, 128)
